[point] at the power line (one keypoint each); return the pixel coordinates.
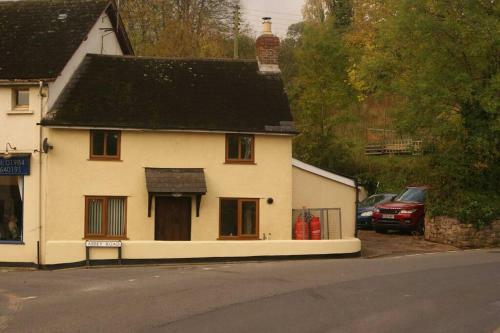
(278, 21)
(273, 12)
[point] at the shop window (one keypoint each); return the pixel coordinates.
(105, 145)
(239, 148)
(11, 208)
(106, 217)
(239, 219)
(21, 98)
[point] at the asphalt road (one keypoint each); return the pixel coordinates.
(444, 292)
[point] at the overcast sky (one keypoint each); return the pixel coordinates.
(283, 12)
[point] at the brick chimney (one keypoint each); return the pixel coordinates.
(268, 47)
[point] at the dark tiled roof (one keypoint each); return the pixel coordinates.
(38, 37)
(156, 93)
(166, 180)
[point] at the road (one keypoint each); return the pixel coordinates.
(442, 292)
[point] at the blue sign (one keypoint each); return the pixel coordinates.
(15, 166)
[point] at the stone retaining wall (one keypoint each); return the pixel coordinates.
(450, 231)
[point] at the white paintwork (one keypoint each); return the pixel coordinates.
(67, 251)
(323, 173)
(268, 68)
(95, 43)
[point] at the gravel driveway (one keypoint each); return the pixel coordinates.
(395, 243)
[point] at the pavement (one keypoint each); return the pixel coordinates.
(376, 245)
(439, 292)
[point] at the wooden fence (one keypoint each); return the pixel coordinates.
(397, 147)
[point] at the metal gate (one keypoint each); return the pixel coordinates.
(330, 220)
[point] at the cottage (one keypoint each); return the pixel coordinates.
(167, 159)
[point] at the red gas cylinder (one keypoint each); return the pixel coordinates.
(301, 229)
(315, 228)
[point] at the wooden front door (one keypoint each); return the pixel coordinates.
(173, 219)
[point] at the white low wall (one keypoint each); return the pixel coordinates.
(60, 252)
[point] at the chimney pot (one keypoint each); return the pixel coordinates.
(268, 46)
(266, 26)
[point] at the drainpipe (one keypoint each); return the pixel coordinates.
(40, 193)
(356, 210)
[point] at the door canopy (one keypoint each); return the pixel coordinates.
(175, 182)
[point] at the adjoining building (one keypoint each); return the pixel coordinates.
(41, 44)
(172, 159)
(330, 196)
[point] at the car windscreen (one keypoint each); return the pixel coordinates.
(412, 195)
(372, 200)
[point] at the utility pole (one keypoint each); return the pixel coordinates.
(236, 28)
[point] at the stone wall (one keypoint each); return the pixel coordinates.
(450, 231)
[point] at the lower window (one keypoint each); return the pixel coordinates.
(239, 218)
(106, 217)
(11, 208)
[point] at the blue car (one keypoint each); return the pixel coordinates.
(365, 208)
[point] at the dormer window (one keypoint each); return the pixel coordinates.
(240, 148)
(21, 98)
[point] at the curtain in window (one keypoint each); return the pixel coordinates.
(20, 184)
(116, 217)
(248, 217)
(246, 147)
(95, 217)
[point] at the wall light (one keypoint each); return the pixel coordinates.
(8, 155)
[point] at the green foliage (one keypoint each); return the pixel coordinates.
(478, 209)
(438, 63)
(315, 63)
(441, 59)
(187, 28)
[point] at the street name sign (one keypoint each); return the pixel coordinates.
(98, 243)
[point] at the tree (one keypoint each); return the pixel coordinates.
(338, 11)
(184, 28)
(440, 59)
(322, 97)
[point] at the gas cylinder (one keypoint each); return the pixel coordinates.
(315, 228)
(301, 229)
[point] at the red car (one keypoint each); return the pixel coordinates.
(405, 212)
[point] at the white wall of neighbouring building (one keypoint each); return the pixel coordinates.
(100, 40)
(314, 188)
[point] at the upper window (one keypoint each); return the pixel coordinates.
(105, 217)
(21, 98)
(239, 219)
(105, 145)
(240, 148)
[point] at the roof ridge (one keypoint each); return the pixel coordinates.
(135, 57)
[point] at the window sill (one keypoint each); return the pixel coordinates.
(106, 238)
(224, 238)
(104, 159)
(241, 162)
(8, 242)
(20, 111)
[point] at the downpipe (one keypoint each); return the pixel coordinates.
(356, 209)
(40, 192)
